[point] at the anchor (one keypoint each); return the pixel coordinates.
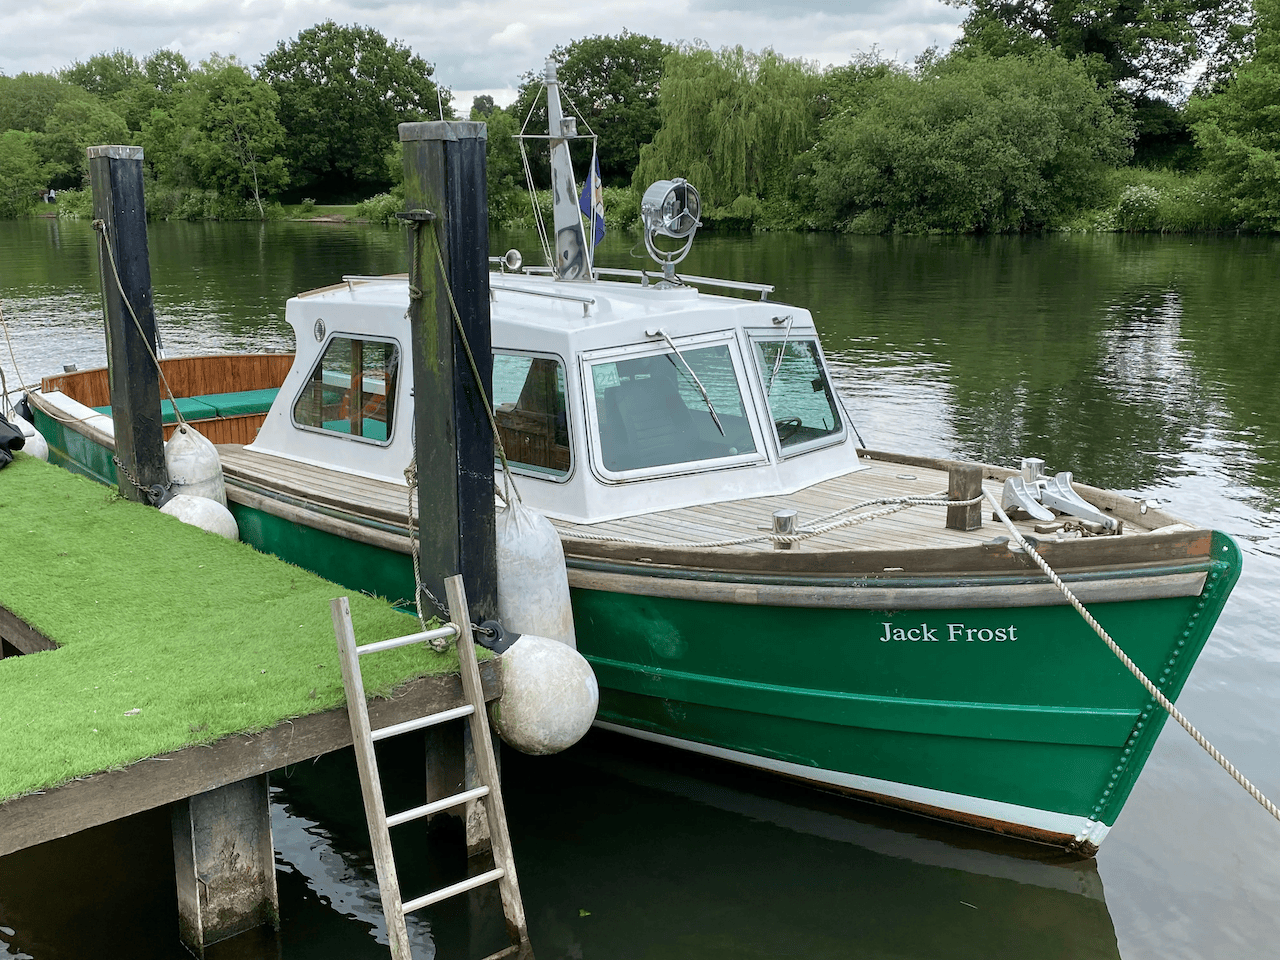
(1034, 493)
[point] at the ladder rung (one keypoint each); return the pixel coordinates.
(447, 632)
(446, 892)
(428, 721)
(427, 809)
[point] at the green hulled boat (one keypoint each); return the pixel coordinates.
(747, 581)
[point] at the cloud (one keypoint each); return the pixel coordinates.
(475, 45)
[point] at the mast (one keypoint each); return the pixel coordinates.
(572, 258)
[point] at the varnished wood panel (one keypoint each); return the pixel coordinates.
(187, 377)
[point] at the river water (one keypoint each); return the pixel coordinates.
(1142, 363)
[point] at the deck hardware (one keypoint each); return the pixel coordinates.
(784, 524)
(416, 216)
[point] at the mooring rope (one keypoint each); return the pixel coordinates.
(1151, 688)
(815, 529)
(101, 227)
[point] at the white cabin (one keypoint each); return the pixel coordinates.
(599, 416)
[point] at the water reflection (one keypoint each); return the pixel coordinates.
(1143, 363)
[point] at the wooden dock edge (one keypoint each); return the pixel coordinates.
(103, 797)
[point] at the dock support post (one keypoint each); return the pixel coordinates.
(444, 173)
(964, 483)
(115, 174)
(225, 863)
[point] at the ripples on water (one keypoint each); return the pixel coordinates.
(1145, 364)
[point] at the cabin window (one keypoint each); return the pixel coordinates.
(351, 390)
(529, 407)
(652, 413)
(801, 402)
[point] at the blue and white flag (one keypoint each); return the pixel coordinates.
(591, 201)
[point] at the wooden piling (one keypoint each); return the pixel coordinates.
(444, 167)
(115, 174)
(225, 863)
(444, 175)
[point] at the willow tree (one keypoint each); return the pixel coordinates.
(733, 124)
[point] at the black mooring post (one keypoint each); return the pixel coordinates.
(115, 174)
(444, 173)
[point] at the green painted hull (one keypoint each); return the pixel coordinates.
(1023, 706)
(1016, 719)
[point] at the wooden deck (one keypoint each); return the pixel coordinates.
(351, 500)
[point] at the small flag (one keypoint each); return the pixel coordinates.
(591, 201)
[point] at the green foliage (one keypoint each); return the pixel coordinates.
(504, 172)
(76, 204)
(27, 100)
(22, 174)
(1237, 128)
(105, 74)
(343, 90)
(74, 126)
(971, 145)
(381, 208)
(234, 141)
(733, 125)
(1138, 208)
(1149, 44)
(613, 83)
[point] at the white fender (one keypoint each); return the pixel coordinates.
(35, 445)
(203, 513)
(533, 586)
(549, 696)
(193, 465)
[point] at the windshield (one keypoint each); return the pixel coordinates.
(801, 401)
(652, 413)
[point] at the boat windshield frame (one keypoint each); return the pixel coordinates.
(728, 338)
(805, 336)
(519, 467)
(390, 394)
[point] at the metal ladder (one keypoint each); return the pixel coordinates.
(488, 793)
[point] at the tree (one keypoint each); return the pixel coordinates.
(613, 82)
(21, 173)
(27, 100)
(482, 106)
(1237, 128)
(972, 144)
(105, 74)
(166, 70)
(236, 143)
(343, 90)
(74, 126)
(1146, 45)
(733, 124)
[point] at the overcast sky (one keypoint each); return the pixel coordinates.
(477, 47)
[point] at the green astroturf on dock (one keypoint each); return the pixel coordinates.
(167, 635)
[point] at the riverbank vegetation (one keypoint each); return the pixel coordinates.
(1044, 115)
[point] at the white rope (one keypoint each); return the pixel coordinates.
(895, 504)
(1151, 688)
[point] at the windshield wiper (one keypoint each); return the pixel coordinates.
(696, 382)
(791, 318)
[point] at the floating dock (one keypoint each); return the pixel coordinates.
(148, 663)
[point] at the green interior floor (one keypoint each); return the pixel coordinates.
(167, 635)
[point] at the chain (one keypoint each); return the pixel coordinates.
(157, 494)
